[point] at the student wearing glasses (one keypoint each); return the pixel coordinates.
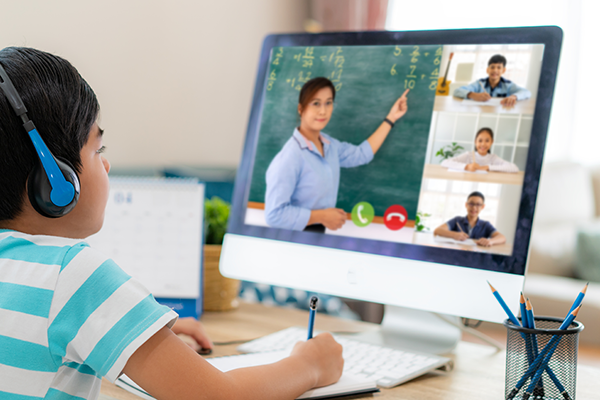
(471, 227)
(303, 178)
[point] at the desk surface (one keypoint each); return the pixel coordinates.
(433, 171)
(478, 372)
(454, 104)
(427, 239)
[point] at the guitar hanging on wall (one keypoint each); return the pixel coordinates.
(443, 88)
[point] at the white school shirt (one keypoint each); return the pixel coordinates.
(68, 317)
(495, 163)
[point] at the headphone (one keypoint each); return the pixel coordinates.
(53, 185)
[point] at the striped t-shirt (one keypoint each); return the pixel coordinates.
(68, 316)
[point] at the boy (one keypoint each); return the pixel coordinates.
(68, 314)
(494, 85)
(471, 227)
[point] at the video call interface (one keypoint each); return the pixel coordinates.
(450, 169)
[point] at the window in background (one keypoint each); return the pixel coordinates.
(573, 132)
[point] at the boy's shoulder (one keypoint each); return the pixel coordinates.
(41, 249)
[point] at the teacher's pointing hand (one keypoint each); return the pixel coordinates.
(399, 108)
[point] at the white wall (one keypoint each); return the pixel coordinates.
(174, 78)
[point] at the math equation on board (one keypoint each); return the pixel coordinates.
(408, 67)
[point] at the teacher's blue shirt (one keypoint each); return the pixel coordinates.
(300, 179)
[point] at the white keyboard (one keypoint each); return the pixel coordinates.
(388, 366)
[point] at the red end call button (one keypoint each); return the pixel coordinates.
(395, 217)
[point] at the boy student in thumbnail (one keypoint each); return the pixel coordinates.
(68, 314)
(471, 227)
(482, 158)
(304, 177)
(494, 85)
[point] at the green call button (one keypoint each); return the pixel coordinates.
(363, 214)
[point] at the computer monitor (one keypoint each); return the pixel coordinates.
(386, 251)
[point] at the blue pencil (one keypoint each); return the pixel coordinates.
(525, 322)
(551, 374)
(511, 316)
(534, 344)
(579, 299)
(311, 316)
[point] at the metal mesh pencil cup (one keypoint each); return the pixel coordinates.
(541, 363)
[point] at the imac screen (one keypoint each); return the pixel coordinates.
(425, 146)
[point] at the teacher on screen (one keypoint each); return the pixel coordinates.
(303, 178)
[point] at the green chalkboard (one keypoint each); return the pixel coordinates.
(368, 80)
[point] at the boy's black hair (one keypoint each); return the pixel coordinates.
(60, 103)
(476, 194)
(497, 59)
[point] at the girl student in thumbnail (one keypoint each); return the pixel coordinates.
(303, 178)
(482, 158)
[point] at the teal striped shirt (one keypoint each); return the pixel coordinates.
(68, 317)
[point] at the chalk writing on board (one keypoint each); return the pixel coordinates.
(436, 72)
(271, 80)
(278, 56)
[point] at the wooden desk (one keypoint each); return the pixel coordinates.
(454, 104)
(427, 239)
(433, 171)
(478, 372)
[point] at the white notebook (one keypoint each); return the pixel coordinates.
(347, 385)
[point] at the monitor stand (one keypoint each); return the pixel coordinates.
(415, 330)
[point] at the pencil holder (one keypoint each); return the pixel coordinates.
(541, 363)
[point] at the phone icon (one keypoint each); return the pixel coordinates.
(359, 212)
(395, 217)
(363, 214)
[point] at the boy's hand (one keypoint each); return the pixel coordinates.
(509, 101)
(193, 328)
(484, 242)
(484, 96)
(460, 236)
(324, 355)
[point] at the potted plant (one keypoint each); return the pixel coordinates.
(449, 151)
(420, 221)
(220, 293)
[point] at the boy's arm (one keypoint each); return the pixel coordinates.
(169, 369)
(519, 92)
(444, 231)
(463, 91)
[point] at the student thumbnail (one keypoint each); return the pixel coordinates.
(482, 158)
(471, 227)
(494, 85)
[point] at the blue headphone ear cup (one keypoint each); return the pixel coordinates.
(39, 188)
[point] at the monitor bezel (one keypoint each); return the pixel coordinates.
(549, 36)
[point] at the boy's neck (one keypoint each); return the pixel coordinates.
(32, 223)
(493, 83)
(472, 220)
